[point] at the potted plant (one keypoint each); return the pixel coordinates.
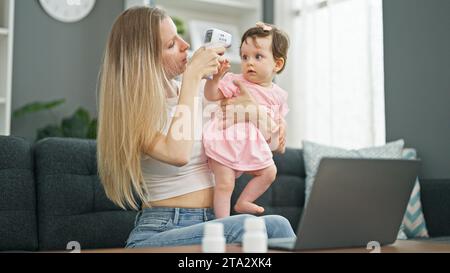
(78, 125)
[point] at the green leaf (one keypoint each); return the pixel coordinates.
(83, 115)
(36, 107)
(53, 104)
(92, 132)
(77, 126)
(49, 131)
(181, 29)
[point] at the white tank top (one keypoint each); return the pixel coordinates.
(164, 181)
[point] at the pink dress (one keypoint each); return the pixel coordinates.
(242, 146)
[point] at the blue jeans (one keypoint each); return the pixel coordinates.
(157, 227)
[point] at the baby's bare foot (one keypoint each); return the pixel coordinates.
(248, 207)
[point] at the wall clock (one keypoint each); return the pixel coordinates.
(68, 11)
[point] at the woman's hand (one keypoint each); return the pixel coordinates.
(282, 139)
(244, 99)
(244, 108)
(204, 62)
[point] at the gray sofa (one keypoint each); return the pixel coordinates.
(50, 195)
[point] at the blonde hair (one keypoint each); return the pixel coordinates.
(132, 105)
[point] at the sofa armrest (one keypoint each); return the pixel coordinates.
(435, 197)
(71, 202)
(18, 222)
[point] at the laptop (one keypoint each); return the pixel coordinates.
(354, 202)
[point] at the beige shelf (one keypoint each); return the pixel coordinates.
(4, 32)
(214, 6)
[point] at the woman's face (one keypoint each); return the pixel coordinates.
(174, 49)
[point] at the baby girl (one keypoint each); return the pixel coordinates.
(263, 55)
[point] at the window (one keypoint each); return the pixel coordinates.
(335, 73)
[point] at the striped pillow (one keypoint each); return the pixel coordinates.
(414, 225)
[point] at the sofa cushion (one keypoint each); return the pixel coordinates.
(444, 239)
(18, 224)
(286, 195)
(72, 204)
(435, 196)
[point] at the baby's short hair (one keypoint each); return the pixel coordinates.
(280, 40)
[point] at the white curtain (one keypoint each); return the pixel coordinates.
(335, 71)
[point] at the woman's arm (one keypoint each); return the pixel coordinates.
(175, 148)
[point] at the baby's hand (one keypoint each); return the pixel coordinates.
(223, 69)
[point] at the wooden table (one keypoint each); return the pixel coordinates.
(399, 246)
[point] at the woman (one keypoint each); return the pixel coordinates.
(141, 156)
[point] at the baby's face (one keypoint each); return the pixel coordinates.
(257, 62)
